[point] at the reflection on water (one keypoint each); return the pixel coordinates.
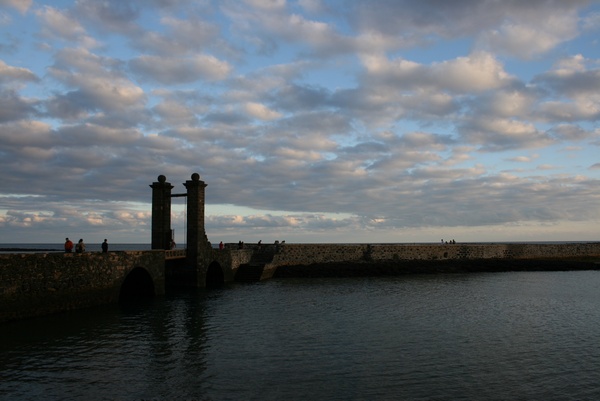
(478, 336)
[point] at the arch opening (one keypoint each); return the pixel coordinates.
(137, 284)
(214, 276)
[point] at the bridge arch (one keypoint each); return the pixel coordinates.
(137, 284)
(214, 275)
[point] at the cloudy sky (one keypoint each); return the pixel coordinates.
(310, 120)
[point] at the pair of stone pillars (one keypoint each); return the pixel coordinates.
(161, 215)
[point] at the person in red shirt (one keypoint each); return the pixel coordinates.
(68, 245)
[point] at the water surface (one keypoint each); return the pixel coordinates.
(525, 335)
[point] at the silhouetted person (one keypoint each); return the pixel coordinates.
(105, 246)
(80, 247)
(68, 245)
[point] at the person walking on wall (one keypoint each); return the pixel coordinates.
(105, 246)
(221, 246)
(68, 245)
(80, 247)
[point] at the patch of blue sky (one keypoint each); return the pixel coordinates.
(581, 158)
(550, 161)
(587, 44)
(409, 126)
(18, 48)
(527, 70)
(337, 75)
(437, 50)
(255, 61)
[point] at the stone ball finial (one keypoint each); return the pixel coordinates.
(195, 177)
(162, 179)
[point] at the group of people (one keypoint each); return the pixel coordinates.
(449, 242)
(277, 245)
(80, 247)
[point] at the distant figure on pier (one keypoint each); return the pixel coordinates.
(259, 245)
(105, 246)
(221, 246)
(80, 247)
(68, 245)
(172, 245)
(241, 245)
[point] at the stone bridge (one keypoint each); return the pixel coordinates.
(42, 283)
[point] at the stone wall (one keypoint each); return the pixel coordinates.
(306, 254)
(42, 283)
(229, 260)
(307, 260)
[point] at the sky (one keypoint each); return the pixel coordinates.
(311, 121)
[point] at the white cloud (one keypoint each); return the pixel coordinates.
(261, 112)
(267, 4)
(530, 38)
(478, 72)
(175, 113)
(9, 73)
(183, 37)
(21, 5)
(24, 133)
(500, 134)
(59, 24)
(180, 70)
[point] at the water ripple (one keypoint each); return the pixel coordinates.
(438, 337)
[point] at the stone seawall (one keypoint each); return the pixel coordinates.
(294, 254)
(369, 259)
(43, 283)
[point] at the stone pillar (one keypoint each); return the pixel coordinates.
(161, 213)
(196, 234)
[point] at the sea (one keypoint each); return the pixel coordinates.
(475, 336)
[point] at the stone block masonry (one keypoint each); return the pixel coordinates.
(327, 253)
(373, 259)
(43, 283)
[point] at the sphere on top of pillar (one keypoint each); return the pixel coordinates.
(162, 179)
(195, 177)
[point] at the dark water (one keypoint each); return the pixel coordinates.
(494, 336)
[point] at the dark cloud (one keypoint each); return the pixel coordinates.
(14, 108)
(112, 16)
(10, 74)
(179, 70)
(571, 83)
